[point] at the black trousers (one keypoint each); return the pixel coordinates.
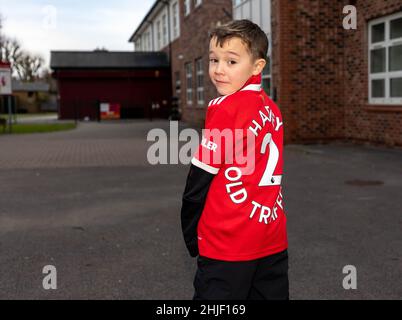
(262, 279)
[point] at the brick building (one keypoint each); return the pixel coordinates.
(331, 83)
(327, 88)
(190, 21)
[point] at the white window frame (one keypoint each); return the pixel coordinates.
(175, 18)
(239, 6)
(177, 83)
(189, 90)
(387, 75)
(268, 76)
(263, 19)
(237, 3)
(150, 40)
(187, 7)
(138, 44)
(159, 34)
(147, 41)
(164, 30)
(258, 11)
(199, 67)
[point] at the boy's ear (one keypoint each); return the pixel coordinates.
(259, 65)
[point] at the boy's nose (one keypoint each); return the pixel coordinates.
(219, 68)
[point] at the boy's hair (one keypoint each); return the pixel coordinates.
(250, 33)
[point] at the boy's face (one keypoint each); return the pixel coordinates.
(232, 65)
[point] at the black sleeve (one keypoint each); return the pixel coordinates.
(194, 196)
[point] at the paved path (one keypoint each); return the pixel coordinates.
(91, 145)
(88, 202)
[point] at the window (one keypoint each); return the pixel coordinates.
(189, 83)
(200, 81)
(147, 41)
(177, 83)
(237, 2)
(266, 78)
(150, 44)
(159, 38)
(258, 11)
(186, 7)
(176, 20)
(164, 27)
(385, 60)
(138, 44)
(242, 10)
(197, 3)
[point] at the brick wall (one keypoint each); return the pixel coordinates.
(377, 124)
(319, 69)
(320, 72)
(175, 64)
(194, 43)
(308, 68)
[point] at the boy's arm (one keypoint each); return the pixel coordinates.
(194, 197)
(205, 165)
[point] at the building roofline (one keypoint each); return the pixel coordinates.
(93, 51)
(154, 6)
(35, 86)
(107, 59)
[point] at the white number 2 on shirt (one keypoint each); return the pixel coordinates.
(268, 179)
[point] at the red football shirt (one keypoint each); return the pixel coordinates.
(243, 218)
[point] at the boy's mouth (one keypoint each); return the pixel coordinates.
(221, 82)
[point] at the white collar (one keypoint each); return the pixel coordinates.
(252, 87)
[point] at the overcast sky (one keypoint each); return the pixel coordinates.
(42, 26)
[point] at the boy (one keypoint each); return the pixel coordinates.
(232, 215)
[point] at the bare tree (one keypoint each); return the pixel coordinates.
(10, 50)
(28, 66)
(23, 64)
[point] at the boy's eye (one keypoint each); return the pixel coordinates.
(232, 62)
(212, 60)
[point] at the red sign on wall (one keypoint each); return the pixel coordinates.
(110, 111)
